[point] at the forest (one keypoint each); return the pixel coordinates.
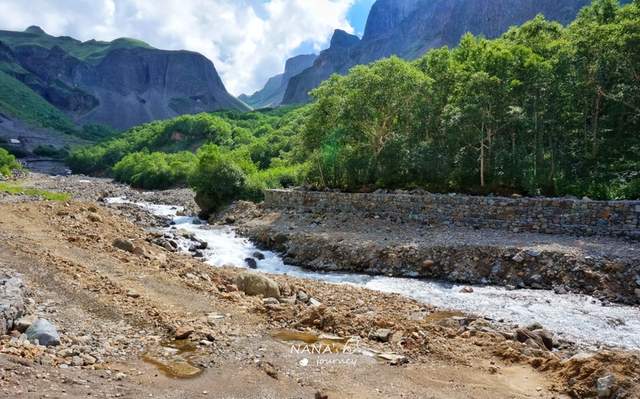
(542, 110)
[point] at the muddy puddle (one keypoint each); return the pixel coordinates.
(174, 359)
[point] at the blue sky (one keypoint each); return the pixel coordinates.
(358, 15)
(247, 40)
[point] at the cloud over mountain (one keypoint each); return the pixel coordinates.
(248, 40)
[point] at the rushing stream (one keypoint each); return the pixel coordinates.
(578, 318)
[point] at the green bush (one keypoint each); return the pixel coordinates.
(217, 179)
(156, 170)
(51, 151)
(8, 163)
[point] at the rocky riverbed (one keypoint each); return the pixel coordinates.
(133, 316)
(606, 268)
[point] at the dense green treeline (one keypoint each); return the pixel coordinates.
(542, 110)
(256, 150)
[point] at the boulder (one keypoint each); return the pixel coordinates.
(12, 302)
(381, 335)
(44, 332)
(183, 332)
(125, 245)
(258, 255)
(605, 386)
(251, 263)
(256, 284)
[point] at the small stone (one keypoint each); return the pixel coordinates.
(119, 376)
(302, 297)
(258, 255)
(518, 258)
(94, 218)
(393, 358)
(133, 294)
(23, 323)
(466, 290)
(270, 301)
(77, 361)
(44, 332)
(88, 359)
(605, 386)
(251, 263)
(314, 302)
(183, 332)
(381, 335)
(125, 245)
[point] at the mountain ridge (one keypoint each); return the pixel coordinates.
(409, 28)
(273, 92)
(120, 84)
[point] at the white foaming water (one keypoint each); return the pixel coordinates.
(578, 318)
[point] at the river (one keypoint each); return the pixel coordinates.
(582, 319)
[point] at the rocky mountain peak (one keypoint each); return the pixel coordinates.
(36, 30)
(343, 39)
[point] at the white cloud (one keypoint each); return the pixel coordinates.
(248, 40)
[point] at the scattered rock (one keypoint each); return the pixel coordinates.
(314, 302)
(302, 297)
(125, 245)
(269, 369)
(23, 323)
(393, 359)
(183, 332)
(270, 301)
(251, 263)
(605, 386)
(254, 284)
(466, 290)
(381, 335)
(133, 294)
(258, 255)
(94, 218)
(44, 332)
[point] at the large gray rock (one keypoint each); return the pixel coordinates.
(256, 284)
(44, 332)
(12, 292)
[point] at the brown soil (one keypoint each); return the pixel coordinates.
(121, 308)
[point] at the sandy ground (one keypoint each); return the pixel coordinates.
(123, 309)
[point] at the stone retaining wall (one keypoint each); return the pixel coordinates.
(542, 215)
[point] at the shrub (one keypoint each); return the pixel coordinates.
(217, 179)
(155, 170)
(8, 163)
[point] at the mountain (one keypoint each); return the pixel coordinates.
(408, 28)
(273, 92)
(120, 84)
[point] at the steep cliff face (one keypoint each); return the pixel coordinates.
(121, 83)
(272, 93)
(408, 28)
(336, 59)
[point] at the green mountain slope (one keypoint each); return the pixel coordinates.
(91, 50)
(20, 102)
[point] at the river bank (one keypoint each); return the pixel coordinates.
(121, 305)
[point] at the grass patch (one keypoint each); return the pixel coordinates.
(16, 189)
(19, 101)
